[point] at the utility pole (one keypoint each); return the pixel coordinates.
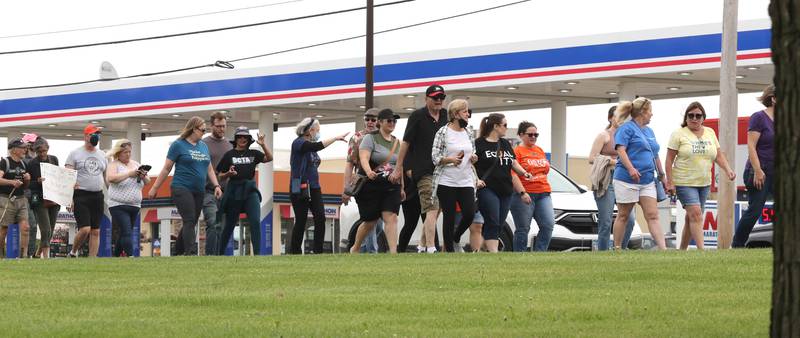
(370, 76)
(728, 125)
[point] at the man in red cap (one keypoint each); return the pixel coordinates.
(88, 199)
(417, 144)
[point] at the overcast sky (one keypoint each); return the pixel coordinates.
(533, 20)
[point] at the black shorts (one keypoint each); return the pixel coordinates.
(87, 206)
(377, 197)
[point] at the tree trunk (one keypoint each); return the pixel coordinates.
(785, 16)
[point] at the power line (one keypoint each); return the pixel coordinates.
(198, 32)
(229, 64)
(148, 21)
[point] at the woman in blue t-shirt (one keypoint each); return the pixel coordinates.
(760, 168)
(634, 177)
(308, 194)
(192, 167)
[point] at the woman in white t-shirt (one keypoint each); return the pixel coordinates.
(125, 183)
(454, 179)
(691, 152)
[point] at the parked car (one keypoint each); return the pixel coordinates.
(575, 229)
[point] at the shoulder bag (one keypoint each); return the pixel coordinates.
(661, 194)
(358, 180)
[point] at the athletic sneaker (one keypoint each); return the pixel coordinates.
(421, 249)
(431, 250)
(72, 255)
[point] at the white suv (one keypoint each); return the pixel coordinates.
(575, 214)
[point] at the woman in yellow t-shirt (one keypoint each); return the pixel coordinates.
(691, 152)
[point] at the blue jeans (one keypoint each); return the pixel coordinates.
(370, 244)
(213, 227)
(755, 204)
(124, 216)
(540, 209)
(605, 211)
(494, 209)
(251, 206)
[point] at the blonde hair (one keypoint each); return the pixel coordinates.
(305, 125)
(119, 147)
(627, 110)
(456, 106)
(188, 129)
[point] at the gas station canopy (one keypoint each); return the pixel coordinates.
(663, 63)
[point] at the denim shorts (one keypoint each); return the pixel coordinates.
(692, 195)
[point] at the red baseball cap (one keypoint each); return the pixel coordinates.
(91, 129)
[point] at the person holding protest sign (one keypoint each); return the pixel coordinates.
(46, 211)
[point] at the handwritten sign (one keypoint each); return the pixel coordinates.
(58, 184)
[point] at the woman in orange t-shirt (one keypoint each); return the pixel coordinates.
(535, 202)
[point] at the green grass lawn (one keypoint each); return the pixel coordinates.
(715, 293)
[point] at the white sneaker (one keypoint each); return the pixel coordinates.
(431, 250)
(421, 249)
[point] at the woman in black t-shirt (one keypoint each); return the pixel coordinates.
(496, 186)
(241, 193)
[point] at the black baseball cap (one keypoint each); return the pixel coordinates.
(434, 90)
(17, 143)
(387, 114)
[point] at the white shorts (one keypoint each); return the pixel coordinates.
(630, 192)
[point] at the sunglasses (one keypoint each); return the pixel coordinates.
(439, 97)
(370, 119)
(694, 116)
(242, 136)
(504, 125)
(532, 134)
(390, 121)
(203, 130)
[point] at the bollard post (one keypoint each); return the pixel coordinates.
(12, 241)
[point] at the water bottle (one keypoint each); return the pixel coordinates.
(156, 248)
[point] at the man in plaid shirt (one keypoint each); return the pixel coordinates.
(352, 165)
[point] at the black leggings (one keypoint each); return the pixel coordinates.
(448, 196)
(301, 206)
(189, 204)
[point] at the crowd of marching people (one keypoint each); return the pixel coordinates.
(444, 162)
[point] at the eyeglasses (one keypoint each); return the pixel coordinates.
(694, 116)
(390, 121)
(439, 97)
(532, 134)
(370, 119)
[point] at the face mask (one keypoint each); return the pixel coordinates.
(94, 139)
(316, 137)
(462, 123)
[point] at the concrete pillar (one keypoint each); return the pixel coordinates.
(134, 134)
(627, 91)
(558, 135)
(106, 141)
(269, 229)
